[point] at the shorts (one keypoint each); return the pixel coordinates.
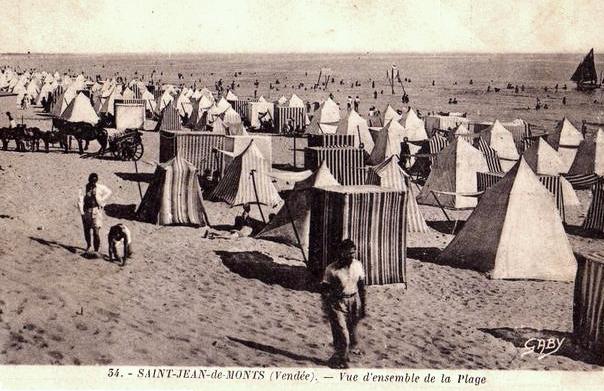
(93, 218)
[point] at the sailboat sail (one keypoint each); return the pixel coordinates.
(586, 71)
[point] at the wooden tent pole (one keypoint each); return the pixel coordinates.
(440, 205)
(140, 192)
(295, 229)
(256, 194)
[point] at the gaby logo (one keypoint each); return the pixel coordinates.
(542, 347)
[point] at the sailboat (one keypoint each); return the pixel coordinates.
(586, 75)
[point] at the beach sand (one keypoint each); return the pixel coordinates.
(185, 300)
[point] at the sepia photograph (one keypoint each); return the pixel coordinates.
(269, 193)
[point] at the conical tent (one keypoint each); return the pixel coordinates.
(390, 114)
(295, 101)
(356, 125)
(173, 196)
(543, 159)
(231, 96)
(108, 106)
(245, 180)
(502, 141)
(387, 143)
(590, 156)
(63, 101)
(454, 173)
(515, 232)
(80, 110)
(296, 211)
(566, 139)
(415, 128)
(390, 174)
(325, 119)
(462, 131)
(594, 219)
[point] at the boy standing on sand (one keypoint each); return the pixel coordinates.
(343, 294)
(91, 204)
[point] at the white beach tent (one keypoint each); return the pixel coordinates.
(415, 128)
(515, 232)
(502, 141)
(80, 110)
(354, 124)
(566, 139)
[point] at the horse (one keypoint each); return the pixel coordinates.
(17, 134)
(83, 132)
(48, 137)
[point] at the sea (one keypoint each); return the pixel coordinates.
(430, 80)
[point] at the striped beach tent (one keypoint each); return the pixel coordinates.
(588, 310)
(246, 181)
(415, 128)
(373, 217)
(173, 196)
(588, 166)
(566, 140)
(595, 214)
(354, 124)
(490, 155)
(454, 174)
(170, 118)
(515, 232)
(390, 174)
(292, 223)
(502, 141)
(436, 144)
(346, 163)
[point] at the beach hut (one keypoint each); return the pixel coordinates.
(515, 232)
(453, 177)
(294, 111)
(173, 196)
(373, 217)
(565, 139)
(80, 110)
(389, 174)
(246, 181)
(292, 223)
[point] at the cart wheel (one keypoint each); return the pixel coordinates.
(138, 152)
(115, 151)
(132, 151)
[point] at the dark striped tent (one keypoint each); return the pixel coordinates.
(284, 113)
(346, 164)
(173, 196)
(486, 180)
(490, 155)
(371, 216)
(170, 118)
(595, 214)
(582, 181)
(588, 304)
(436, 144)
(331, 140)
(240, 106)
(199, 148)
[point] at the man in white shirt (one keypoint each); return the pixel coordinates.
(343, 294)
(91, 204)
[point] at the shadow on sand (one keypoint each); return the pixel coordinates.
(52, 243)
(424, 254)
(578, 230)
(135, 177)
(127, 212)
(519, 337)
(259, 266)
(273, 350)
(446, 227)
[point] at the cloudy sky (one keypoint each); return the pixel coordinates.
(302, 26)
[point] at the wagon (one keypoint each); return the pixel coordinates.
(125, 144)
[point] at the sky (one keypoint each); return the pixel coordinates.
(269, 26)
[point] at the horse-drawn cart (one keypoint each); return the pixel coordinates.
(125, 144)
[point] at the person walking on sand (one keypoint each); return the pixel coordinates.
(343, 295)
(119, 233)
(91, 204)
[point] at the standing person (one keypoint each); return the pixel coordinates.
(349, 103)
(91, 205)
(357, 102)
(343, 295)
(11, 121)
(405, 157)
(119, 233)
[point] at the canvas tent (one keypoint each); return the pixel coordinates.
(566, 139)
(515, 232)
(80, 110)
(590, 156)
(354, 124)
(387, 143)
(390, 174)
(502, 141)
(325, 119)
(415, 129)
(453, 176)
(390, 114)
(170, 118)
(594, 219)
(246, 180)
(292, 223)
(173, 196)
